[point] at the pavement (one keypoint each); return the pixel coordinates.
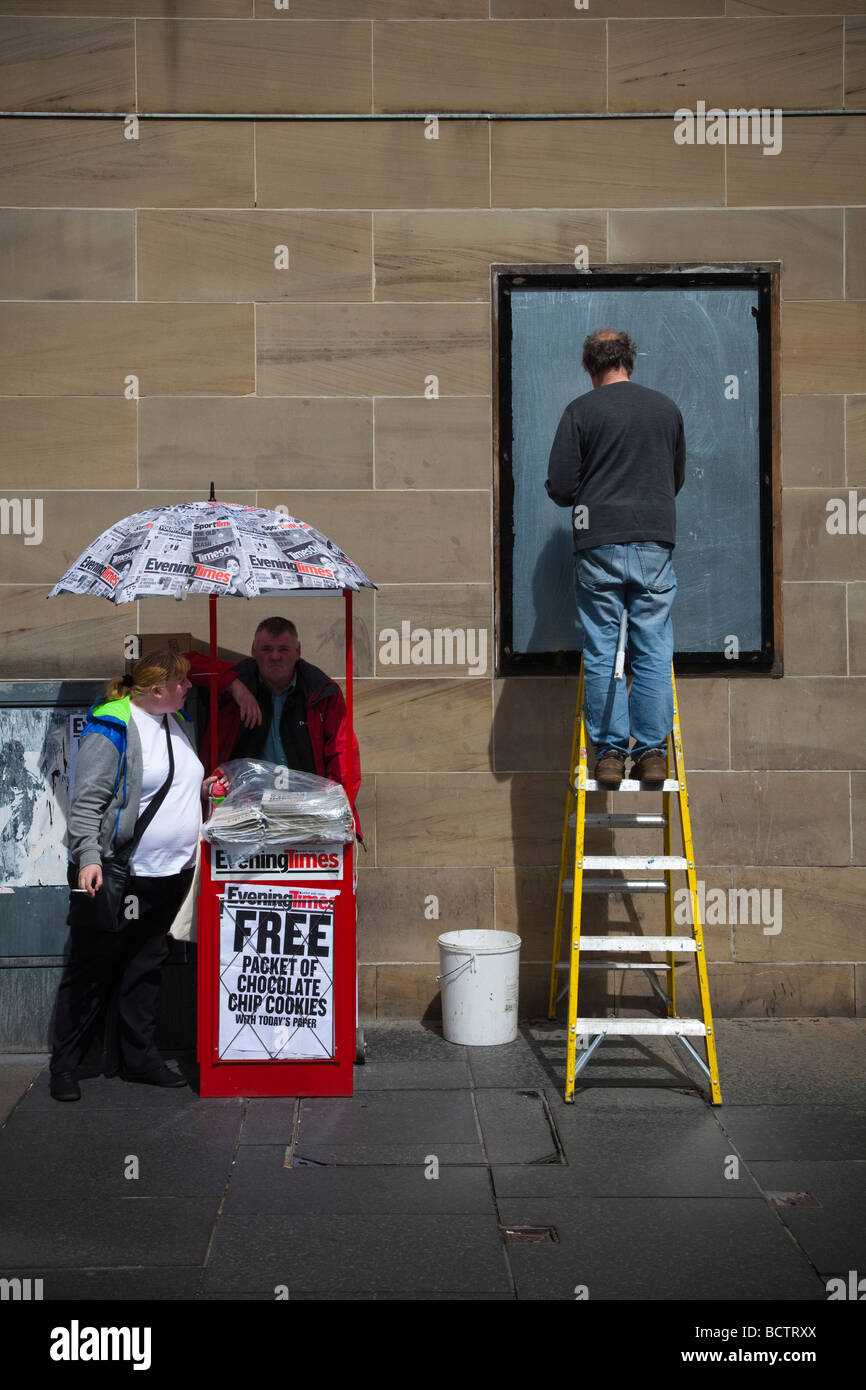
(455, 1173)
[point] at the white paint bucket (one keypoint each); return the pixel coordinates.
(479, 986)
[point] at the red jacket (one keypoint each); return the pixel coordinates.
(326, 718)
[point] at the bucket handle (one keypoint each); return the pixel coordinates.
(457, 969)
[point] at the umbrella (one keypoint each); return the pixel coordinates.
(215, 548)
(209, 548)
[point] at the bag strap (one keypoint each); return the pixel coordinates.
(144, 820)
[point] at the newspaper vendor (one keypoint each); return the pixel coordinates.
(278, 707)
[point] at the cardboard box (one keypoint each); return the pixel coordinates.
(158, 641)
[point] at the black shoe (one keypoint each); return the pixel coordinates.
(64, 1086)
(160, 1076)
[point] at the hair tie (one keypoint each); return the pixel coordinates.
(127, 682)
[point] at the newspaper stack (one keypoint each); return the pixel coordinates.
(260, 811)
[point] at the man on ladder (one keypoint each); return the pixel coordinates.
(618, 460)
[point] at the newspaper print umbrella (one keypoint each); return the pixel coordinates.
(215, 548)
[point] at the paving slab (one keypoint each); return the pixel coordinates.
(61, 1233)
(390, 1127)
(260, 1182)
(417, 1042)
(331, 1254)
(510, 1064)
(360, 1296)
(635, 1152)
(447, 1073)
(269, 1120)
(440, 1296)
(82, 1152)
(781, 1061)
(517, 1127)
(269, 1296)
(833, 1234)
(669, 1249)
(17, 1074)
(780, 1132)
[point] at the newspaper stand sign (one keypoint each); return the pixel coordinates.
(277, 982)
(277, 976)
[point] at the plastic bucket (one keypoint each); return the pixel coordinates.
(479, 986)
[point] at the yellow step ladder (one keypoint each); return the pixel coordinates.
(576, 818)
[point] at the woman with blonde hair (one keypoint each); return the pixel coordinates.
(132, 833)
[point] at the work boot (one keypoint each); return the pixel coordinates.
(610, 768)
(650, 768)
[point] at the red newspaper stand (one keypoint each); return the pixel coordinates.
(294, 919)
(277, 996)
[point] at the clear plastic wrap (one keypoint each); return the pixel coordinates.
(269, 805)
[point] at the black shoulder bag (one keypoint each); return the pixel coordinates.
(116, 872)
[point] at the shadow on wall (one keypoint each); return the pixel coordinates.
(530, 746)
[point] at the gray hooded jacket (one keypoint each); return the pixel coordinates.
(107, 790)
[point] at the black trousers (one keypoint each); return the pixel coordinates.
(119, 974)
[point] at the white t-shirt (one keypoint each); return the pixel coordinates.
(169, 842)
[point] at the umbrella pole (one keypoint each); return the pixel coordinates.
(350, 731)
(214, 744)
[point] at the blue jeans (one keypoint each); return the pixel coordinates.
(640, 577)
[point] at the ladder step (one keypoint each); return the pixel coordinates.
(635, 861)
(670, 784)
(610, 820)
(638, 943)
(617, 885)
(617, 965)
(694, 1027)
